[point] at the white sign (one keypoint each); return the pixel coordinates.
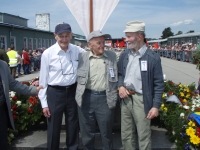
(80, 9)
(43, 21)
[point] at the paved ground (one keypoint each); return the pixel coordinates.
(178, 72)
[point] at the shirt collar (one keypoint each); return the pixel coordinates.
(58, 48)
(92, 55)
(141, 51)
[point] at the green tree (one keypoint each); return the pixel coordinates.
(167, 33)
(179, 32)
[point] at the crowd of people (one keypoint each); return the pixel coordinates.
(22, 62)
(186, 46)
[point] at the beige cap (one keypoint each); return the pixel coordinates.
(135, 26)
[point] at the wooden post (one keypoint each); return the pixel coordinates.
(91, 15)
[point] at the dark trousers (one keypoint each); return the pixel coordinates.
(26, 69)
(19, 68)
(13, 71)
(3, 128)
(95, 109)
(62, 100)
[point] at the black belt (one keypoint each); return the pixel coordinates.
(95, 92)
(63, 87)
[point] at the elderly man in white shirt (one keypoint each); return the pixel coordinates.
(58, 77)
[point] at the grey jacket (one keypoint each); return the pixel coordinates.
(152, 79)
(111, 82)
(11, 84)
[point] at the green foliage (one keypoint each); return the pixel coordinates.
(196, 60)
(167, 33)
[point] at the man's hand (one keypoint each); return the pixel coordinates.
(153, 113)
(46, 112)
(123, 92)
(38, 89)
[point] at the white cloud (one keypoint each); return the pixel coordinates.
(176, 23)
(189, 21)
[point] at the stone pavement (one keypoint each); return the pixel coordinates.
(178, 72)
(37, 140)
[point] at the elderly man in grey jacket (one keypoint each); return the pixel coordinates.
(7, 82)
(96, 92)
(140, 87)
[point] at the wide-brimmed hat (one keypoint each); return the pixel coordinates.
(135, 26)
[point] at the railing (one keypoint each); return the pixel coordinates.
(186, 56)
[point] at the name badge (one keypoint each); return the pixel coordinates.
(111, 72)
(144, 65)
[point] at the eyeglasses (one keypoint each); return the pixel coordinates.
(67, 71)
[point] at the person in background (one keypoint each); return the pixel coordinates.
(58, 77)
(4, 56)
(26, 62)
(36, 60)
(96, 92)
(19, 63)
(140, 86)
(7, 82)
(12, 55)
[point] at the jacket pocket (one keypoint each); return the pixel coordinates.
(81, 77)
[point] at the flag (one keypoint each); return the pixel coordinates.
(156, 45)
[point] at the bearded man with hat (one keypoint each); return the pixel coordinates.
(140, 87)
(96, 92)
(58, 77)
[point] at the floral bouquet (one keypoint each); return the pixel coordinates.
(26, 111)
(181, 126)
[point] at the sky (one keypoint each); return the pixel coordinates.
(179, 15)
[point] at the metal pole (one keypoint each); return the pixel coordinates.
(91, 15)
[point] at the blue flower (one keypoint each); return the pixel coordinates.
(187, 146)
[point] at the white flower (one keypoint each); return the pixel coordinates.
(11, 135)
(12, 94)
(175, 141)
(173, 132)
(182, 115)
(18, 103)
(197, 105)
(192, 109)
(186, 107)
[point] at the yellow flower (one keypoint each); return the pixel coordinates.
(188, 95)
(163, 105)
(180, 85)
(191, 124)
(163, 95)
(184, 100)
(181, 94)
(195, 139)
(188, 90)
(190, 131)
(165, 108)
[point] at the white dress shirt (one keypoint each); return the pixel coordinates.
(58, 68)
(133, 80)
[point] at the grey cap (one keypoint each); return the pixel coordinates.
(98, 33)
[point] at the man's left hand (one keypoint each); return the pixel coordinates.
(38, 89)
(153, 113)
